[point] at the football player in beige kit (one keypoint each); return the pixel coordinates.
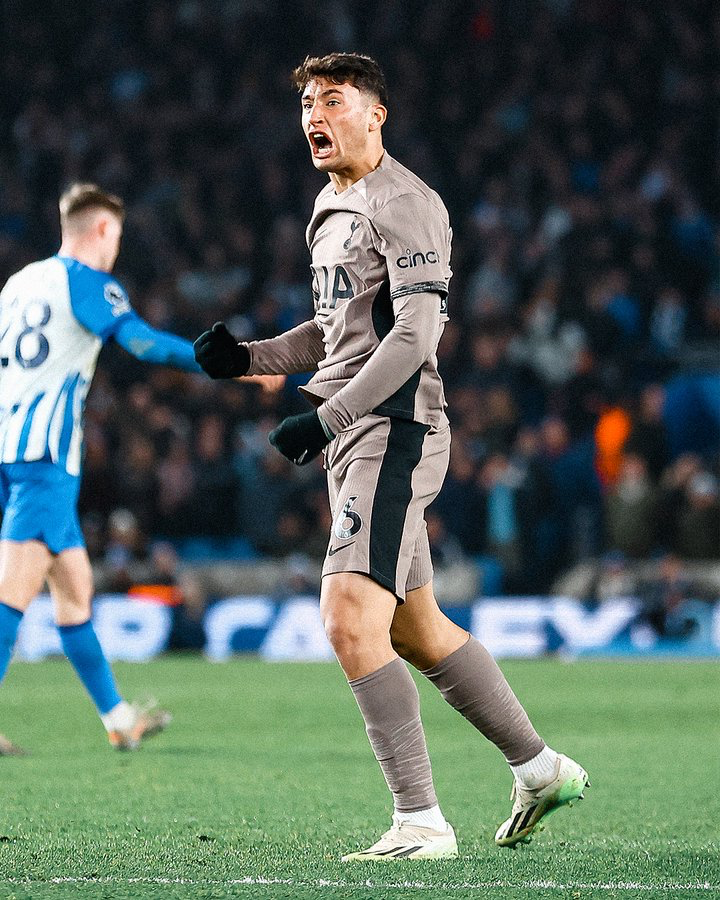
(380, 244)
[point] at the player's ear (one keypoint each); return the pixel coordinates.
(378, 115)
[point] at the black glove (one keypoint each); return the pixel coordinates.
(220, 355)
(300, 438)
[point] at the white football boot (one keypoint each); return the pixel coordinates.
(149, 720)
(404, 841)
(531, 806)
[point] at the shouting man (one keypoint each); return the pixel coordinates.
(380, 244)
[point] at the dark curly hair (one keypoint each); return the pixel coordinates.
(344, 68)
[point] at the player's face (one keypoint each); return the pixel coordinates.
(338, 121)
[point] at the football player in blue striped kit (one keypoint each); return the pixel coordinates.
(55, 315)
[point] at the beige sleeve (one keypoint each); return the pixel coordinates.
(413, 234)
(409, 343)
(297, 350)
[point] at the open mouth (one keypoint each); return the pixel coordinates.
(320, 144)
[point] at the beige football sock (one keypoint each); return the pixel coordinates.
(471, 682)
(390, 705)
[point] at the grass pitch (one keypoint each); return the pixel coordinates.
(265, 777)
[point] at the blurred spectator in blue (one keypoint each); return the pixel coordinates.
(444, 546)
(499, 482)
(267, 489)
(667, 600)
(668, 322)
(458, 503)
(573, 516)
(534, 506)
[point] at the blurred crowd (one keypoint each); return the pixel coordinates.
(576, 147)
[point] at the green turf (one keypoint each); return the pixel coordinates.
(266, 773)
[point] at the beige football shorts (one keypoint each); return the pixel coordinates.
(382, 474)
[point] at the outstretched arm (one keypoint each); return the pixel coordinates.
(150, 345)
(299, 350)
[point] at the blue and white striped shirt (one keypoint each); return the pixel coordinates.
(54, 317)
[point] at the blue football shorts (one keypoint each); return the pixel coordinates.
(39, 503)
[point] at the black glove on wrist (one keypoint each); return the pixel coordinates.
(220, 355)
(300, 438)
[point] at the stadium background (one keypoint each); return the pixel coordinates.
(575, 143)
(576, 147)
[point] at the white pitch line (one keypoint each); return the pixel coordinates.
(373, 885)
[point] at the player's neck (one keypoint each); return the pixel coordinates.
(346, 178)
(83, 251)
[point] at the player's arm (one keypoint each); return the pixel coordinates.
(101, 305)
(150, 345)
(222, 356)
(408, 345)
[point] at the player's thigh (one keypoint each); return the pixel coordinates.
(357, 613)
(23, 568)
(421, 632)
(70, 580)
(353, 606)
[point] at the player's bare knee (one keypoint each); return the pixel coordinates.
(350, 632)
(346, 615)
(345, 636)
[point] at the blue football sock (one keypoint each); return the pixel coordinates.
(82, 648)
(9, 624)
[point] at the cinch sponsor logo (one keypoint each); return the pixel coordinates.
(410, 260)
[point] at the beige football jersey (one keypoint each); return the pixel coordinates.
(374, 246)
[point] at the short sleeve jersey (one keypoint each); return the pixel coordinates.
(385, 237)
(55, 316)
